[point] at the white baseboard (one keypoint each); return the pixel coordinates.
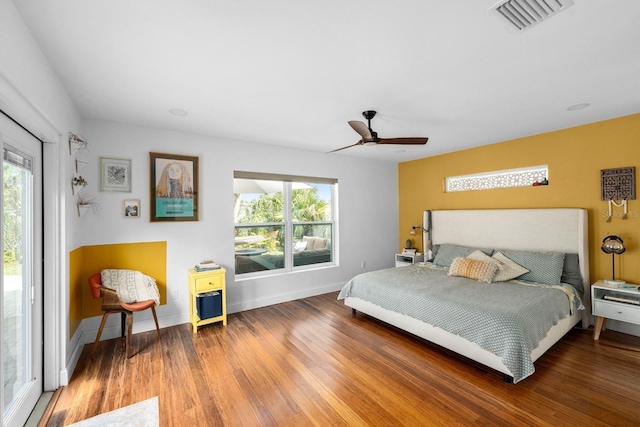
(113, 328)
(277, 299)
(76, 345)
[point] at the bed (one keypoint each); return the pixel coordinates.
(504, 325)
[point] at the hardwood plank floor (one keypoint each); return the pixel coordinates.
(310, 362)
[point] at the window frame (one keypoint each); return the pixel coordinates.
(289, 224)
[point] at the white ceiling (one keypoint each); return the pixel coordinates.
(293, 72)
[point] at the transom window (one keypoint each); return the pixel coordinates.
(523, 177)
(282, 222)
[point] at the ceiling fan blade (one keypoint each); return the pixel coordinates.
(403, 141)
(362, 129)
(348, 146)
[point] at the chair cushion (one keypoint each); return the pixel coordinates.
(138, 306)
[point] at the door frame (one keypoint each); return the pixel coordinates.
(54, 272)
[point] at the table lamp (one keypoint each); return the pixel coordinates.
(613, 245)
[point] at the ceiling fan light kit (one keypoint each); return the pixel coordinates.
(369, 137)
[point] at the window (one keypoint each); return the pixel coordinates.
(282, 222)
(523, 177)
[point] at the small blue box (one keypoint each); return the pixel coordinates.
(209, 305)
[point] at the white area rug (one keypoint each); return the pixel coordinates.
(141, 414)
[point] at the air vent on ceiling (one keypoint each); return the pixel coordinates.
(524, 14)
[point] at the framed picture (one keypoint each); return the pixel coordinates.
(115, 174)
(131, 208)
(174, 187)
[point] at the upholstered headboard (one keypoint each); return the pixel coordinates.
(561, 230)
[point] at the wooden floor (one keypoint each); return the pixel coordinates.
(310, 362)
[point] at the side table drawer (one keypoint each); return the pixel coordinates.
(626, 313)
(209, 283)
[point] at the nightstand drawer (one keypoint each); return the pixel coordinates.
(624, 312)
(209, 283)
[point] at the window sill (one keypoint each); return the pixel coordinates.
(282, 272)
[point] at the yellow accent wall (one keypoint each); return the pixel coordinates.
(575, 157)
(148, 257)
(75, 289)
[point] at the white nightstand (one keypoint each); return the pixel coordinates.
(604, 308)
(402, 260)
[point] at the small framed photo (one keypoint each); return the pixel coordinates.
(131, 208)
(115, 174)
(174, 187)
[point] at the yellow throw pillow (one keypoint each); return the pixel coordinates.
(472, 269)
(507, 268)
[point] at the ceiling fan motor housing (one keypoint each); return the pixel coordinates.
(369, 114)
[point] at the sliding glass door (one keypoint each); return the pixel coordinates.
(21, 231)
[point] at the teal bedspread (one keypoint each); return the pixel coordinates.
(506, 318)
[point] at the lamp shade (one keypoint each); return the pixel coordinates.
(613, 245)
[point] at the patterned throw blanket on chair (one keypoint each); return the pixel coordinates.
(131, 285)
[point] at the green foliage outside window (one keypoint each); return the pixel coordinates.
(12, 217)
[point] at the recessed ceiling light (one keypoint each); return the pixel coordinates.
(578, 106)
(178, 112)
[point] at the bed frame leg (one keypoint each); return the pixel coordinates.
(353, 311)
(507, 379)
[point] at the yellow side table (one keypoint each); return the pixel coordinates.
(202, 282)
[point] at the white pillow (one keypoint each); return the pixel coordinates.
(299, 247)
(315, 242)
(481, 256)
(510, 270)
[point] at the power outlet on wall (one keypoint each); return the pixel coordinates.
(174, 293)
(363, 264)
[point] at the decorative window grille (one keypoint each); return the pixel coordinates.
(522, 177)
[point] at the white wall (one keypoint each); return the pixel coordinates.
(367, 222)
(31, 93)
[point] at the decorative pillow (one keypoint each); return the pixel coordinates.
(131, 285)
(544, 267)
(481, 256)
(434, 252)
(299, 247)
(447, 252)
(571, 272)
(509, 268)
(480, 270)
(315, 242)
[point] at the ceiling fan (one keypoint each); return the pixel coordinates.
(369, 137)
